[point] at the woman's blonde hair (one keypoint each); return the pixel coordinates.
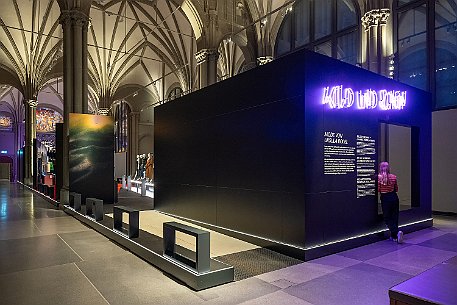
(384, 172)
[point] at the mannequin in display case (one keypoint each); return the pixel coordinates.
(138, 165)
(150, 167)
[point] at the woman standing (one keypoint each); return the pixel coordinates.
(388, 188)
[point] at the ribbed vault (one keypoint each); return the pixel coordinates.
(147, 43)
(30, 42)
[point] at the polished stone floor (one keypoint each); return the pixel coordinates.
(48, 257)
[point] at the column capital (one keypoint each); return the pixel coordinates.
(102, 111)
(264, 60)
(73, 17)
(206, 55)
(134, 113)
(32, 103)
(375, 17)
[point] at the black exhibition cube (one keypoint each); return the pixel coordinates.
(286, 155)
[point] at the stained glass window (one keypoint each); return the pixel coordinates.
(121, 127)
(6, 122)
(46, 120)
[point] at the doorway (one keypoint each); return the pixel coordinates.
(398, 146)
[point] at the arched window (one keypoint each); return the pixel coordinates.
(121, 116)
(329, 27)
(46, 120)
(174, 93)
(6, 122)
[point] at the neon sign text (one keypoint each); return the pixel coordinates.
(338, 97)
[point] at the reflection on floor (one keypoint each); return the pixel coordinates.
(48, 257)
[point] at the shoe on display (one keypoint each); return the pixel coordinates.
(400, 237)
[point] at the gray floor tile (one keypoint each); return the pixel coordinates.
(335, 260)
(412, 260)
(18, 229)
(57, 225)
(63, 284)
(241, 291)
(34, 252)
(299, 273)
(359, 284)
(445, 223)
(452, 260)
(282, 283)
(276, 298)
(446, 242)
(371, 251)
(127, 279)
(422, 235)
(91, 245)
(14, 213)
(48, 213)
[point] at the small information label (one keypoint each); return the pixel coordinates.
(339, 156)
(366, 163)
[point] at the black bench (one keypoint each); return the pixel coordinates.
(75, 201)
(94, 207)
(202, 261)
(134, 220)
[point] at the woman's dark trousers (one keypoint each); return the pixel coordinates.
(390, 210)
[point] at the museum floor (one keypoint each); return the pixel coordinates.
(48, 257)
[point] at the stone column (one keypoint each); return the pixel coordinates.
(374, 22)
(77, 63)
(207, 65)
(85, 70)
(74, 24)
(133, 128)
(30, 134)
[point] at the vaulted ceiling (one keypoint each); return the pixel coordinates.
(133, 45)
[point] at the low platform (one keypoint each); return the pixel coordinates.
(434, 286)
(150, 248)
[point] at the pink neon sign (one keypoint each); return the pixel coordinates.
(338, 97)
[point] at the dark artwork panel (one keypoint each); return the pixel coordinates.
(91, 156)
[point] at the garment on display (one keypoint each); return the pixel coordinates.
(150, 167)
(144, 167)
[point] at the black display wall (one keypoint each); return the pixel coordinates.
(262, 154)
